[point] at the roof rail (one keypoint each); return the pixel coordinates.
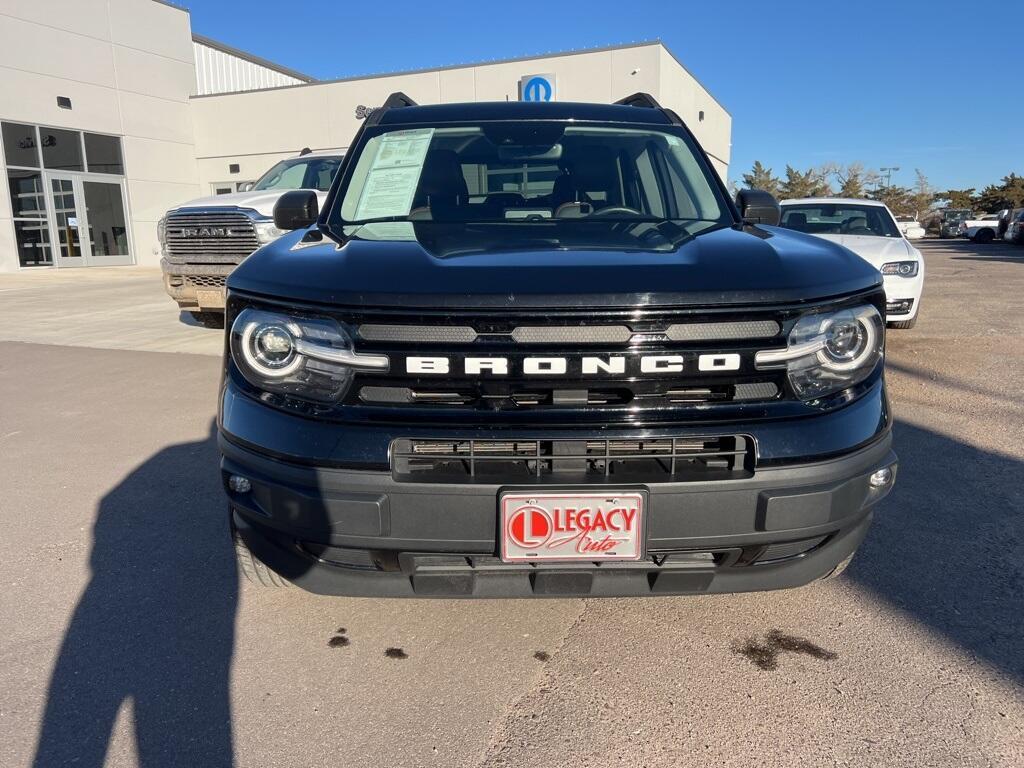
(398, 99)
(640, 99)
(373, 115)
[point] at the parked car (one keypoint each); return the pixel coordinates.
(949, 221)
(533, 350)
(1015, 226)
(203, 240)
(868, 229)
(909, 226)
(982, 229)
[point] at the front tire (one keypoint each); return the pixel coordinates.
(253, 569)
(985, 236)
(903, 325)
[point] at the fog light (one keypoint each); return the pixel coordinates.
(240, 484)
(880, 477)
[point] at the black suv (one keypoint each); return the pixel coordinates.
(534, 349)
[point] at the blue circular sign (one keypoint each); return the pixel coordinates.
(537, 89)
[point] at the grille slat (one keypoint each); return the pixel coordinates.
(652, 460)
(238, 241)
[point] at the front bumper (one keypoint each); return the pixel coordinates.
(196, 287)
(902, 289)
(362, 533)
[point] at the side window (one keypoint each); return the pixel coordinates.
(292, 177)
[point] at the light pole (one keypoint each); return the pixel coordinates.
(888, 172)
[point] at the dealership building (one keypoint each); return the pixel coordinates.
(114, 111)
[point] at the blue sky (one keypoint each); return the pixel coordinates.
(929, 84)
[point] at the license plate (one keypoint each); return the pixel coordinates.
(571, 526)
(208, 298)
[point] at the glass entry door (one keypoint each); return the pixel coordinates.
(65, 198)
(105, 219)
(89, 222)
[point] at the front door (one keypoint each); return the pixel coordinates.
(89, 222)
(67, 221)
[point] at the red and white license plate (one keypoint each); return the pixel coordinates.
(571, 526)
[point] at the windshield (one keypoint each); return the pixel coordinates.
(839, 219)
(531, 178)
(300, 173)
(955, 215)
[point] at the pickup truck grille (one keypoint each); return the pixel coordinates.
(621, 459)
(210, 237)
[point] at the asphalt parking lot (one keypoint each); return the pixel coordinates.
(127, 633)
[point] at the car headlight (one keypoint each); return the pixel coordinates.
(309, 358)
(829, 351)
(266, 231)
(161, 233)
(901, 268)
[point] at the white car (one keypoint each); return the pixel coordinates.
(868, 229)
(909, 226)
(982, 229)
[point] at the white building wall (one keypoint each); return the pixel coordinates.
(257, 128)
(127, 67)
(219, 72)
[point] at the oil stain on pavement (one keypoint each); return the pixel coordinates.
(396, 653)
(340, 639)
(766, 655)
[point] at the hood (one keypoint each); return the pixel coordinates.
(727, 266)
(875, 250)
(262, 201)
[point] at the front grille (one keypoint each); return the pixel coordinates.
(207, 281)
(650, 460)
(210, 237)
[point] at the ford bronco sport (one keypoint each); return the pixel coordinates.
(534, 349)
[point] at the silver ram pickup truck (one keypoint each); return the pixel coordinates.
(203, 240)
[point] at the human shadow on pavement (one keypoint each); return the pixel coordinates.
(947, 546)
(155, 624)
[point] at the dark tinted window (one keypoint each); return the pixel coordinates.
(62, 150)
(103, 153)
(20, 145)
(27, 197)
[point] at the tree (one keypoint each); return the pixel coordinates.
(958, 198)
(810, 183)
(899, 199)
(761, 178)
(1010, 194)
(854, 180)
(923, 195)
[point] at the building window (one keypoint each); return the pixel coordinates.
(103, 154)
(20, 146)
(67, 196)
(62, 150)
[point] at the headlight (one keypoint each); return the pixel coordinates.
(309, 358)
(901, 268)
(266, 232)
(829, 351)
(161, 234)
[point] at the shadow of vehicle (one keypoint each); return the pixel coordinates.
(947, 545)
(155, 624)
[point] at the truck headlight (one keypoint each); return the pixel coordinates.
(161, 234)
(829, 351)
(309, 358)
(901, 268)
(266, 232)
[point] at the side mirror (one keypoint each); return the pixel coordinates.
(246, 186)
(297, 209)
(758, 207)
